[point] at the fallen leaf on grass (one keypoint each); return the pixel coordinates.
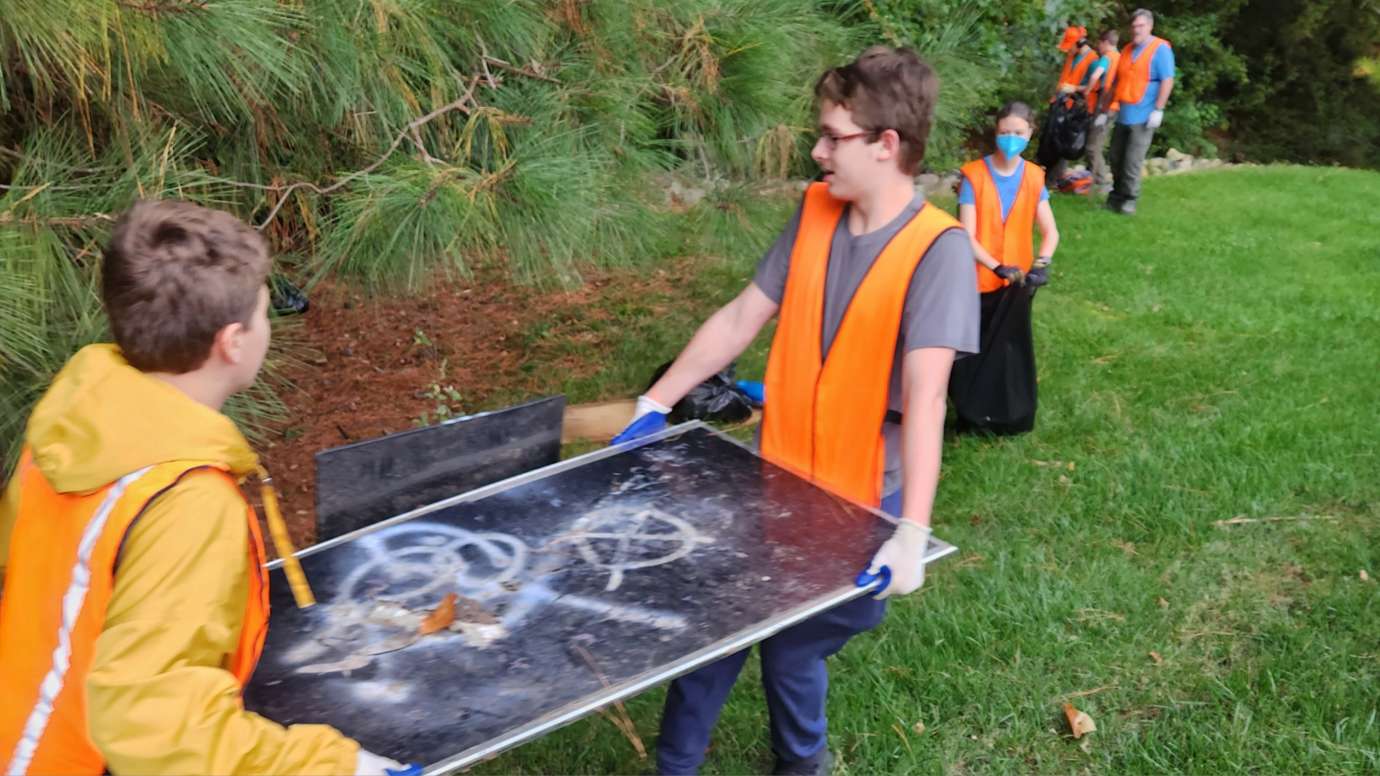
(441, 617)
(1155, 656)
(1364, 576)
(1079, 721)
(1161, 603)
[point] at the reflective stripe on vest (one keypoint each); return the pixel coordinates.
(60, 576)
(1107, 85)
(1133, 75)
(1009, 241)
(1071, 74)
(824, 421)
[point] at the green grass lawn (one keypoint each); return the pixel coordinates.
(1212, 357)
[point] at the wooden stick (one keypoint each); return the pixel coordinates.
(621, 720)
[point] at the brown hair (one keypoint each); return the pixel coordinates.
(173, 275)
(1111, 37)
(887, 88)
(1016, 109)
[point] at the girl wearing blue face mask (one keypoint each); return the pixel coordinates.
(1000, 202)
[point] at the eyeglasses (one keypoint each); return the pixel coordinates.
(831, 140)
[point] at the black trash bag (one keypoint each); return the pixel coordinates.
(716, 399)
(1064, 134)
(286, 298)
(994, 391)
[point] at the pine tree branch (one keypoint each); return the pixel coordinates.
(523, 71)
(8, 217)
(156, 7)
(464, 104)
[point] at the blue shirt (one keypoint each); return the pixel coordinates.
(1102, 64)
(1008, 186)
(1161, 67)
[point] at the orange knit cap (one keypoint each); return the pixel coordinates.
(1071, 37)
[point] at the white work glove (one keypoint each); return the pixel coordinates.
(646, 404)
(1100, 121)
(1155, 120)
(904, 555)
(649, 417)
(370, 764)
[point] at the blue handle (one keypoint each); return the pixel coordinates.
(866, 579)
(411, 769)
(753, 390)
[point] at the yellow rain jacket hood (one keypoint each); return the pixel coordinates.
(159, 698)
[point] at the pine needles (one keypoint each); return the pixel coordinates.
(383, 140)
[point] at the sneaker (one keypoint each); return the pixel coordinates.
(821, 764)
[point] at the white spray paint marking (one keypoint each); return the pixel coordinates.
(541, 594)
(307, 649)
(382, 601)
(632, 532)
(388, 692)
(434, 561)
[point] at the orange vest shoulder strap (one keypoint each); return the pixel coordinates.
(991, 231)
(796, 348)
(1067, 70)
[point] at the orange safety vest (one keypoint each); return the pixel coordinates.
(61, 573)
(1009, 241)
(1106, 85)
(1072, 75)
(1133, 75)
(824, 420)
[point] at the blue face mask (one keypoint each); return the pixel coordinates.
(1011, 145)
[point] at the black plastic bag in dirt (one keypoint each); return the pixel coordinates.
(714, 399)
(994, 391)
(286, 298)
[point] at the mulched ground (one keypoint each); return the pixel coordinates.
(371, 364)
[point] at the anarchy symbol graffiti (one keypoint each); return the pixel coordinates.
(621, 539)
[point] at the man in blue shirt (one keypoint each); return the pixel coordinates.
(1144, 81)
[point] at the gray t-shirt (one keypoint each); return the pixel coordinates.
(941, 309)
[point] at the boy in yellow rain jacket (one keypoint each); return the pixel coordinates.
(135, 603)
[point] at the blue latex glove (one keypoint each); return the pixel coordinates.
(648, 418)
(753, 390)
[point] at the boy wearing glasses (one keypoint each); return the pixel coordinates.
(875, 294)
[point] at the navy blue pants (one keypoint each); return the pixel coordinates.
(794, 677)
